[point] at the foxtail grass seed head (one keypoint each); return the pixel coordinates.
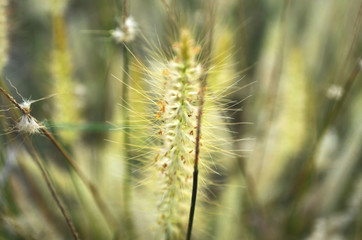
(126, 33)
(178, 114)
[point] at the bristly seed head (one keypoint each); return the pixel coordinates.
(26, 105)
(178, 117)
(126, 33)
(28, 125)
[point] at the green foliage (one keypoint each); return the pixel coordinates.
(281, 134)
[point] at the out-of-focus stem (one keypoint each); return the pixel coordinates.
(333, 114)
(92, 188)
(57, 199)
(127, 198)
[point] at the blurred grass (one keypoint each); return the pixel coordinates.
(301, 179)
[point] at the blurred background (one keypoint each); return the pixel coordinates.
(291, 91)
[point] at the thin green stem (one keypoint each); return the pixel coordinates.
(300, 186)
(333, 114)
(127, 198)
(92, 188)
(57, 200)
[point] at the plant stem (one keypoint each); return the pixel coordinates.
(196, 164)
(193, 201)
(333, 114)
(56, 198)
(92, 188)
(171, 15)
(125, 12)
(206, 59)
(127, 198)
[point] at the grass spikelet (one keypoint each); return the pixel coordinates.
(28, 125)
(175, 96)
(126, 33)
(178, 114)
(247, 125)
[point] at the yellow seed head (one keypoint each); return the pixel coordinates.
(178, 114)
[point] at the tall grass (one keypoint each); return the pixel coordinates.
(117, 123)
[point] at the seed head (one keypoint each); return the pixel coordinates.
(26, 105)
(28, 125)
(178, 115)
(127, 33)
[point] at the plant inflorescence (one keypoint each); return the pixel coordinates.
(147, 134)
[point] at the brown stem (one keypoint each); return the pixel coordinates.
(198, 130)
(125, 12)
(300, 186)
(171, 15)
(94, 191)
(56, 198)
